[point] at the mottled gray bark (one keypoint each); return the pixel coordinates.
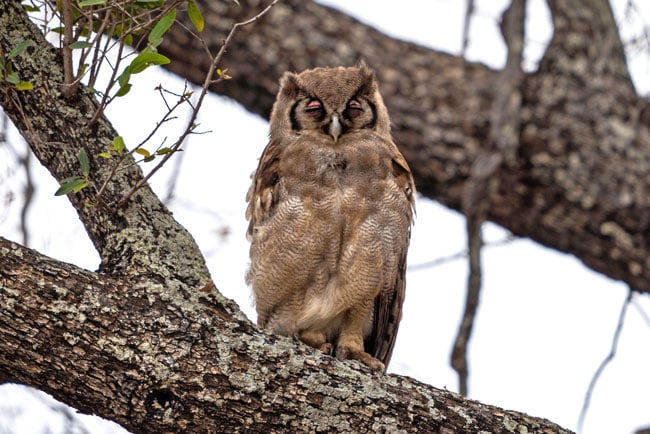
(137, 353)
(580, 181)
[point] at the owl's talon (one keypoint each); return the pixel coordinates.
(344, 353)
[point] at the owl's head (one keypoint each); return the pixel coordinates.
(332, 101)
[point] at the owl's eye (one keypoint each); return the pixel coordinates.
(314, 108)
(354, 108)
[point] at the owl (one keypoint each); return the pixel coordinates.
(330, 210)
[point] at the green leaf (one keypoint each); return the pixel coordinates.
(106, 155)
(118, 144)
(149, 3)
(144, 60)
(195, 15)
(24, 85)
(161, 27)
(13, 78)
(124, 77)
(143, 152)
(30, 8)
(20, 48)
(72, 184)
(149, 158)
(69, 179)
(80, 185)
(83, 162)
(80, 44)
(85, 3)
(123, 90)
(163, 151)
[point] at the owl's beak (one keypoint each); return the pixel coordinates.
(335, 127)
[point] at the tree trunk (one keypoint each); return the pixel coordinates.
(580, 184)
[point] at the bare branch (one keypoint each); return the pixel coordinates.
(28, 195)
(606, 361)
(68, 77)
(469, 11)
(483, 183)
(458, 255)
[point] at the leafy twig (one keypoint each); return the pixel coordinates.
(204, 90)
(167, 117)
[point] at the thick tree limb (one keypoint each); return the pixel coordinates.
(580, 185)
(130, 351)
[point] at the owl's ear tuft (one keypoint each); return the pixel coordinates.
(368, 85)
(290, 85)
(361, 64)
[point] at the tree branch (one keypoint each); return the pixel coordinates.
(500, 151)
(131, 351)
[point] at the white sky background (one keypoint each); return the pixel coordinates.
(545, 321)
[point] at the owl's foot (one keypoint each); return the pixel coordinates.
(345, 353)
(315, 339)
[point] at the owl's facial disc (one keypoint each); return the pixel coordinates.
(335, 127)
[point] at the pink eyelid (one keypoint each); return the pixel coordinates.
(315, 104)
(354, 104)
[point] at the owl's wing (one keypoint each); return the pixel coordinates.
(388, 304)
(386, 318)
(262, 195)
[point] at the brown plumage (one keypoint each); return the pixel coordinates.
(330, 209)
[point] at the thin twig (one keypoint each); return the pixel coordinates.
(466, 24)
(167, 117)
(173, 179)
(458, 255)
(204, 90)
(68, 74)
(606, 361)
(28, 196)
(642, 313)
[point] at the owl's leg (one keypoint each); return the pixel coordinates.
(350, 343)
(315, 339)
